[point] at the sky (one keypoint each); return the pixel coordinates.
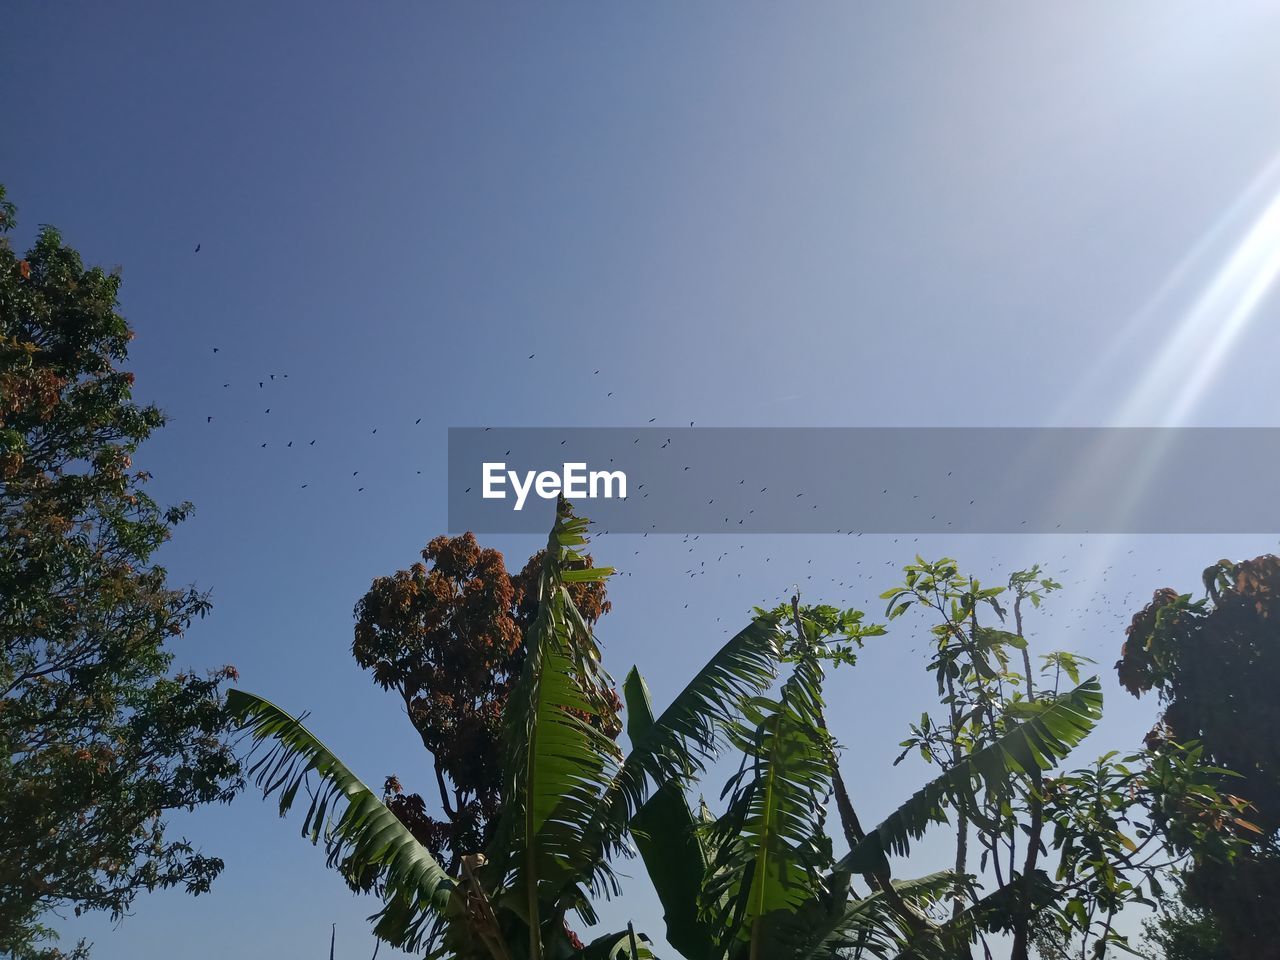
(740, 214)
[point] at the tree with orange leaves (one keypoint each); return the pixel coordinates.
(447, 636)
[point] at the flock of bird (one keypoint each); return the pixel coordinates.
(1090, 601)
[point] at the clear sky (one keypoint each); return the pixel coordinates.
(740, 213)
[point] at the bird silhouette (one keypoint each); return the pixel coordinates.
(197, 249)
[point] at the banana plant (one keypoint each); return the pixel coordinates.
(760, 880)
(569, 798)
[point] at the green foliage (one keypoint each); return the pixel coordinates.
(1215, 664)
(1037, 743)
(771, 845)
(98, 738)
(1183, 931)
(1099, 827)
(362, 831)
(761, 878)
(669, 840)
(762, 874)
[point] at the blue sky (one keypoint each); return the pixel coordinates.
(740, 214)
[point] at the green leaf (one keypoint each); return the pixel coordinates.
(667, 836)
(772, 848)
(355, 823)
(688, 733)
(588, 575)
(559, 762)
(1037, 743)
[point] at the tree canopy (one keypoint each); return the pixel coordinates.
(99, 737)
(1215, 665)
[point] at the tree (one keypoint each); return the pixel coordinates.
(98, 737)
(1215, 665)
(448, 636)
(1096, 828)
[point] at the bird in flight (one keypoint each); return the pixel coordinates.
(197, 250)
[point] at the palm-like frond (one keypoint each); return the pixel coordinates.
(559, 761)
(990, 913)
(870, 926)
(669, 841)
(688, 731)
(675, 746)
(355, 824)
(771, 845)
(1037, 743)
